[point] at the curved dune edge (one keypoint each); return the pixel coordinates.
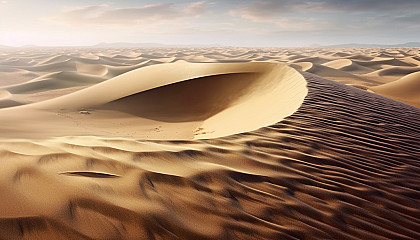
(36, 76)
(405, 89)
(168, 101)
(344, 166)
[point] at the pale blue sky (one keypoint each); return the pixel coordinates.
(236, 22)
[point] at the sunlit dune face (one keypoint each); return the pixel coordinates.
(150, 144)
(210, 119)
(205, 100)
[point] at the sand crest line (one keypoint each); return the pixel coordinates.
(178, 100)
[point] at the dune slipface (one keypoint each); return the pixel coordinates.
(344, 165)
(180, 100)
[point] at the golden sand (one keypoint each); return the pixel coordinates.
(212, 143)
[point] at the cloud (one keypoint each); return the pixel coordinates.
(263, 11)
(372, 5)
(279, 13)
(267, 10)
(148, 14)
(408, 19)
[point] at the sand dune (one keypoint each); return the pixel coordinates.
(396, 71)
(339, 63)
(363, 68)
(302, 66)
(56, 80)
(406, 89)
(218, 97)
(136, 144)
(304, 177)
(348, 65)
(329, 70)
(4, 94)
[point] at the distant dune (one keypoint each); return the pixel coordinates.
(126, 44)
(209, 143)
(147, 45)
(405, 89)
(121, 45)
(361, 45)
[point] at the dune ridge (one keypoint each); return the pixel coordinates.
(175, 101)
(303, 177)
(334, 162)
(360, 67)
(405, 89)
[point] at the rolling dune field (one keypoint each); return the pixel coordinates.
(210, 143)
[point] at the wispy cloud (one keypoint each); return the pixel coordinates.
(279, 13)
(267, 10)
(235, 22)
(372, 5)
(148, 14)
(327, 15)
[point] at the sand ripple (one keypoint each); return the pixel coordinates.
(343, 166)
(69, 70)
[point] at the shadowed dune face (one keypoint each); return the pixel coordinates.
(186, 100)
(42, 74)
(343, 166)
(191, 100)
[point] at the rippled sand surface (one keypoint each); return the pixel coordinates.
(211, 143)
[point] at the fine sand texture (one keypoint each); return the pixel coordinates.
(183, 100)
(32, 75)
(209, 143)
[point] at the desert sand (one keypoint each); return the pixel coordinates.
(210, 143)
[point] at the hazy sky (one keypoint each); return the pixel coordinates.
(234, 22)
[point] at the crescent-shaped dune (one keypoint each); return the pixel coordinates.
(344, 166)
(183, 100)
(339, 63)
(292, 156)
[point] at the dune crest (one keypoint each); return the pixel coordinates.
(182, 100)
(344, 165)
(406, 89)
